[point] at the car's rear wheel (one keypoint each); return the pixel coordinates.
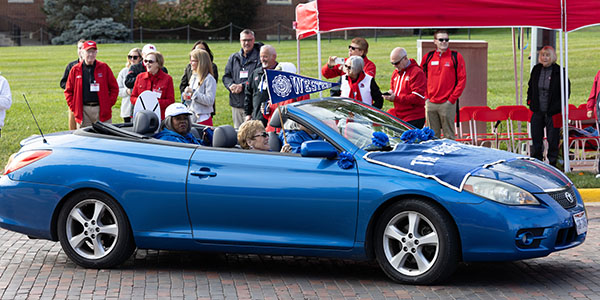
(94, 231)
(416, 242)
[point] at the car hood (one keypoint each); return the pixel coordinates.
(531, 175)
(450, 163)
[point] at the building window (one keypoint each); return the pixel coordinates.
(280, 2)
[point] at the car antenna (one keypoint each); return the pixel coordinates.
(36, 122)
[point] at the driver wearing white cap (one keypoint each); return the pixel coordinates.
(177, 125)
(138, 68)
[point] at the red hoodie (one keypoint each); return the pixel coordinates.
(441, 78)
(409, 86)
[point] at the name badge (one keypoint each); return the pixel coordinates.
(94, 87)
(158, 93)
(243, 74)
(435, 63)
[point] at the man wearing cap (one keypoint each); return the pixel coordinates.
(176, 126)
(139, 68)
(91, 89)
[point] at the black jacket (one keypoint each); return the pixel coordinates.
(136, 70)
(533, 93)
(63, 80)
(255, 96)
(232, 72)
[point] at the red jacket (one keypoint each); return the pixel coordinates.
(336, 71)
(591, 102)
(409, 86)
(107, 96)
(441, 78)
(161, 82)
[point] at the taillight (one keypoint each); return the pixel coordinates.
(19, 160)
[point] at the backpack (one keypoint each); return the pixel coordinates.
(454, 56)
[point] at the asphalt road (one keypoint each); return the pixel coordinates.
(37, 269)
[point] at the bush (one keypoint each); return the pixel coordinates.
(103, 30)
(154, 15)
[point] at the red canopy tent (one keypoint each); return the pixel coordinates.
(322, 16)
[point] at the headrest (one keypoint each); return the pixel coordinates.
(145, 122)
(225, 137)
(275, 120)
(274, 142)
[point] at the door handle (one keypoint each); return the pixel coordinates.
(204, 172)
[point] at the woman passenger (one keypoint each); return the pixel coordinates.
(155, 80)
(176, 126)
(252, 135)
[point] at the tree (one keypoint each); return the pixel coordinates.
(103, 30)
(60, 13)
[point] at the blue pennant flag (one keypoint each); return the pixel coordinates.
(285, 85)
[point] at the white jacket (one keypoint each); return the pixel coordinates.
(203, 99)
(126, 107)
(5, 99)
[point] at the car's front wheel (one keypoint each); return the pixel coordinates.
(94, 231)
(416, 242)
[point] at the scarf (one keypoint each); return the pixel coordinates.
(354, 88)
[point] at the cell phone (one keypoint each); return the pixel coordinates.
(339, 60)
(386, 94)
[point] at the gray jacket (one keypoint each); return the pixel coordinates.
(235, 64)
(203, 97)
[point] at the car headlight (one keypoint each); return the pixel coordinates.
(499, 191)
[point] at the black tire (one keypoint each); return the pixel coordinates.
(90, 216)
(426, 255)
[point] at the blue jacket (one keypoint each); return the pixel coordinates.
(173, 136)
(296, 138)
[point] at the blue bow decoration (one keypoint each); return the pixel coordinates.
(380, 139)
(417, 135)
(346, 160)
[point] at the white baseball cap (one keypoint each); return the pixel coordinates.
(148, 48)
(176, 109)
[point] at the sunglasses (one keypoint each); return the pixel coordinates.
(134, 57)
(443, 40)
(263, 134)
(353, 48)
(397, 62)
(348, 67)
(148, 61)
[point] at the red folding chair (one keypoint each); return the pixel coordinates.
(585, 148)
(467, 112)
(493, 118)
(521, 138)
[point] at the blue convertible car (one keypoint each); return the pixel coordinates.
(369, 188)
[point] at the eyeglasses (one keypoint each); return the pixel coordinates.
(134, 57)
(263, 134)
(397, 62)
(443, 40)
(348, 67)
(353, 48)
(148, 61)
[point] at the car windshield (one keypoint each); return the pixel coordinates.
(354, 121)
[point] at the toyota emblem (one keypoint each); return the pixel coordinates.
(569, 197)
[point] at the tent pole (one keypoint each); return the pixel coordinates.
(298, 55)
(533, 50)
(514, 48)
(319, 59)
(521, 79)
(565, 108)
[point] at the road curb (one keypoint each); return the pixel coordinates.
(590, 195)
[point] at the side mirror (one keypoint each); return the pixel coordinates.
(318, 148)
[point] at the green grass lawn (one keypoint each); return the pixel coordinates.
(36, 71)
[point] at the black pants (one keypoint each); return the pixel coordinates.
(418, 123)
(539, 121)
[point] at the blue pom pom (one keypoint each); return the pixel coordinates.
(346, 160)
(409, 136)
(428, 132)
(380, 139)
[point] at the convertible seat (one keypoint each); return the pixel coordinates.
(145, 122)
(225, 137)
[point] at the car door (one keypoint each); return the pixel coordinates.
(271, 199)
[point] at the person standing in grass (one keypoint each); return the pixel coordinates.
(63, 80)
(156, 80)
(593, 99)
(5, 100)
(91, 89)
(134, 57)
